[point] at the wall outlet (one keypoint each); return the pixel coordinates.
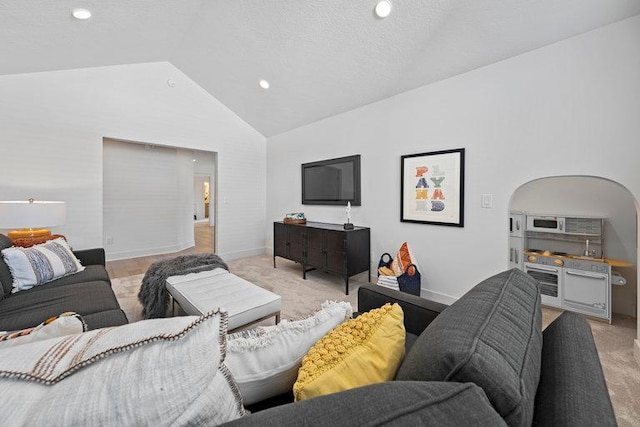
(109, 240)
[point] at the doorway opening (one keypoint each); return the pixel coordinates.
(204, 208)
(149, 199)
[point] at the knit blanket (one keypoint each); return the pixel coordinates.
(153, 293)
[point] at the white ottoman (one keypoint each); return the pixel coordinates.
(199, 293)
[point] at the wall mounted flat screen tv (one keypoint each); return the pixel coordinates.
(331, 182)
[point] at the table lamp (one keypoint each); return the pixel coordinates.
(27, 218)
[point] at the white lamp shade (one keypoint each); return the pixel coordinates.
(32, 214)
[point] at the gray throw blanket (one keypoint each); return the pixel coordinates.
(153, 293)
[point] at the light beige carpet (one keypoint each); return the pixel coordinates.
(301, 298)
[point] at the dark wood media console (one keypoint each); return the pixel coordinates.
(326, 247)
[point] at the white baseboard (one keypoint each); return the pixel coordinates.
(228, 256)
(115, 256)
(437, 297)
(424, 293)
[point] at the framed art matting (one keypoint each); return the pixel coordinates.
(432, 188)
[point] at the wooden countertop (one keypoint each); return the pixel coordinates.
(610, 261)
(617, 263)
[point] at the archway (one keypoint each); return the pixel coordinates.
(592, 196)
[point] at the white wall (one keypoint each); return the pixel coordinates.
(570, 108)
(52, 127)
(595, 197)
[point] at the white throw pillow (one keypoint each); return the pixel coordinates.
(68, 323)
(40, 264)
(154, 372)
(264, 361)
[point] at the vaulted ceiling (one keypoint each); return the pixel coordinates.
(321, 57)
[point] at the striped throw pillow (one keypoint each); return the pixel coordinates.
(40, 264)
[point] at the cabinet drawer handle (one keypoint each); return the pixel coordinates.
(542, 268)
(594, 276)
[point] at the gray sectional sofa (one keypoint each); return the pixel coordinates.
(88, 293)
(483, 361)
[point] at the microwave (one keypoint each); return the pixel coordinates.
(546, 224)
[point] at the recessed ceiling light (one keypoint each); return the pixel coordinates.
(264, 84)
(81, 13)
(383, 9)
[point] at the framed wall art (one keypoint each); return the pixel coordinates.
(432, 188)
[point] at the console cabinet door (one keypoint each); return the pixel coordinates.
(280, 240)
(357, 252)
(296, 243)
(336, 257)
(315, 248)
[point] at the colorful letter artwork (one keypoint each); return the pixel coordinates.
(422, 192)
(433, 187)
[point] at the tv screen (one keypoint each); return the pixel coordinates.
(331, 182)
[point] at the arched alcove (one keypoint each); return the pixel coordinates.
(595, 197)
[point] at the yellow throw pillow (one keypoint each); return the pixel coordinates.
(361, 351)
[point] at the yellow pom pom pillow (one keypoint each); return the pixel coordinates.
(361, 351)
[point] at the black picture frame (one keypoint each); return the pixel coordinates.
(432, 188)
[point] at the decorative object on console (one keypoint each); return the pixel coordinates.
(295, 218)
(153, 372)
(347, 225)
(440, 171)
(28, 217)
(264, 361)
(40, 264)
(365, 350)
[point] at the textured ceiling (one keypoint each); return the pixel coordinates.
(321, 57)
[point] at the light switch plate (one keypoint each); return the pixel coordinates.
(487, 201)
